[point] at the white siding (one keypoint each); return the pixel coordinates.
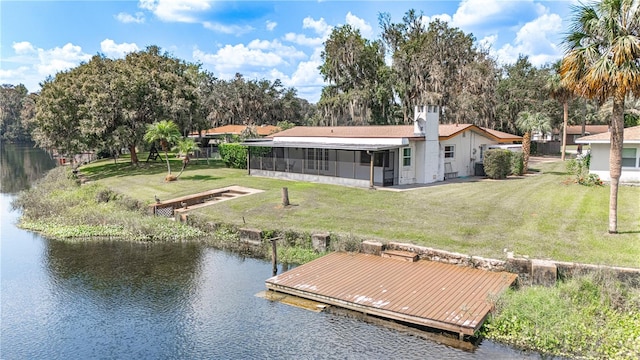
(599, 164)
(465, 157)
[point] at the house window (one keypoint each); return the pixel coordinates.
(629, 158)
(317, 159)
(406, 157)
(449, 151)
(380, 159)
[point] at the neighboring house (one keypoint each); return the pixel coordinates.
(600, 146)
(421, 153)
(226, 133)
(573, 132)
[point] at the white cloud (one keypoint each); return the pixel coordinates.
(306, 79)
(270, 25)
(302, 39)
(258, 54)
(227, 29)
(535, 39)
(425, 20)
(59, 59)
(487, 12)
(37, 63)
(113, 50)
(176, 10)
(188, 11)
(23, 47)
(21, 75)
(365, 29)
(488, 42)
(127, 18)
(319, 26)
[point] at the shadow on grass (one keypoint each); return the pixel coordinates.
(629, 232)
(563, 173)
(124, 168)
(200, 177)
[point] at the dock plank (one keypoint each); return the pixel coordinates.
(433, 294)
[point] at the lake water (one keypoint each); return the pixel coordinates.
(123, 300)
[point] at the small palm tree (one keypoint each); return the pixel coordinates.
(601, 62)
(184, 147)
(166, 132)
(528, 123)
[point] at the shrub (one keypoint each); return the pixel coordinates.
(233, 155)
(517, 163)
(580, 168)
(497, 163)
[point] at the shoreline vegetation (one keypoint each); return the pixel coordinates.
(541, 215)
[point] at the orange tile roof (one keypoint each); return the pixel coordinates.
(588, 129)
(263, 130)
(381, 131)
(631, 134)
(445, 131)
(503, 135)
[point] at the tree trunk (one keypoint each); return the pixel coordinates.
(526, 150)
(565, 119)
(285, 196)
(185, 162)
(615, 161)
(134, 155)
(166, 156)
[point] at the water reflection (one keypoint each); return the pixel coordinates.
(136, 272)
(20, 165)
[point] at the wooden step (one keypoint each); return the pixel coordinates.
(400, 255)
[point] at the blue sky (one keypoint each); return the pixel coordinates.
(259, 39)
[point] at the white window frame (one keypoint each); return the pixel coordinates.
(635, 158)
(406, 156)
(317, 159)
(451, 151)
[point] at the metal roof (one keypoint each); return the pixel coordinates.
(319, 145)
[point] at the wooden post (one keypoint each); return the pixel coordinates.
(285, 196)
(274, 257)
(371, 154)
(248, 161)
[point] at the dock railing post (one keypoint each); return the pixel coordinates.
(274, 256)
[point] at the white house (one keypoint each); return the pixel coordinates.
(421, 153)
(600, 145)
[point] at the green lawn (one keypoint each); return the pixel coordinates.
(543, 215)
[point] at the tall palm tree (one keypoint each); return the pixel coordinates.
(166, 132)
(558, 91)
(602, 61)
(528, 123)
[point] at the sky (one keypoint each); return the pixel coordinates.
(258, 39)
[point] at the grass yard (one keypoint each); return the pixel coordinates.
(543, 215)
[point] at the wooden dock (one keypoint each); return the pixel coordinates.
(181, 204)
(437, 295)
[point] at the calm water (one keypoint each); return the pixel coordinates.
(119, 300)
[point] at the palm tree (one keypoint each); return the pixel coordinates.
(166, 132)
(561, 93)
(528, 123)
(602, 61)
(631, 111)
(184, 147)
